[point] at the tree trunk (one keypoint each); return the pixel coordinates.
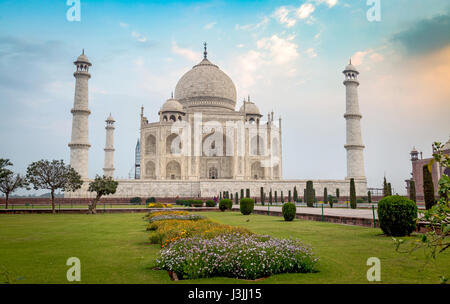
(53, 201)
(93, 206)
(6, 200)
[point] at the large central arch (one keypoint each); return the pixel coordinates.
(173, 170)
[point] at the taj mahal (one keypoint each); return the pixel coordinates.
(202, 145)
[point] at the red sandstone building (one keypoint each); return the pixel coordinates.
(417, 170)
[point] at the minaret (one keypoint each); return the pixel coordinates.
(108, 170)
(79, 144)
(354, 146)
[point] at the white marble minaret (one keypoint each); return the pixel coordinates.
(79, 144)
(354, 145)
(108, 170)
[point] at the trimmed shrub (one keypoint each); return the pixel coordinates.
(197, 203)
(369, 197)
(180, 202)
(210, 203)
(247, 205)
(236, 198)
(352, 194)
(150, 200)
(412, 191)
(289, 211)
(310, 195)
(135, 201)
(247, 193)
(225, 204)
(397, 215)
(428, 188)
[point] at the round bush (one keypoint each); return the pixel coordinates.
(397, 215)
(197, 203)
(289, 211)
(150, 200)
(247, 205)
(135, 201)
(225, 204)
(210, 203)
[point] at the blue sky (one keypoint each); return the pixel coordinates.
(288, 55)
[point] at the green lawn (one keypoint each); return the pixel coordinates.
(114, 248)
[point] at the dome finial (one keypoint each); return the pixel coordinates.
(83, 51)
(205, 53)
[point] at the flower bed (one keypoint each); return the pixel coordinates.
(235, 255)
(167, 231)
(159, 205)
(152, 214)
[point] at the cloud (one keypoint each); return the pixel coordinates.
(139, 37)
(311, 53)
(282, 15)
(360, 57)
(123, 24)
(209, 25)
(239, 46)
(252, 27)
(305, 10)
(186, 53)
(425, 36)
(330, 3)
(281, 50)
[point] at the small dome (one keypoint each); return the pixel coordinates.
(414, 150)
(350, 67)
(172, 105)
(110, 118)
(83, 58)
(250, 108)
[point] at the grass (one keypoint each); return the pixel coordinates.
(114, 248)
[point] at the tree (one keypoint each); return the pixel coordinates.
(261, 194)
(289, 196)
(276, 196)
(352, 194)
(4, 162)
(310, 194)
(412, 190)
(369, 197)
(236, 198)
(52, 176)
(282, 198)
(242, 193)
(337, 193)
(10, 183)
(102, 185)
(428, 187)
(325, 195)
(247, 192)
(389, 189)
(295, 194)
(270, 196)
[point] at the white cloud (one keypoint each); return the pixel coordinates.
(330, 3)
(186, 53)
(209, 25)
(359, 57)
(311, 52)
(251, 27)
(281, 50)
(139, 37)
(123, 24)
(305, 10)
(282, 15)
(239, 46)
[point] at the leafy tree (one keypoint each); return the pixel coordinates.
(295, 194)
(270, 197)
(352, 194)
(10, 183)
(101, 185)
(4, 162)
(247, 192)
(261, 194)
(325, 195)
(369, 197)
(242, 193)
(236, 198)
(385, 188)
(389, 189)
(412, 190)
(428, 187)
(282, 198)
(289, 196)
(276, 196)
(52, 176)
(337, 193)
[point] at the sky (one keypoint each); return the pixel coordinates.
(287, 55)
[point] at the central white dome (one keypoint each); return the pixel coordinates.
(205, 85)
